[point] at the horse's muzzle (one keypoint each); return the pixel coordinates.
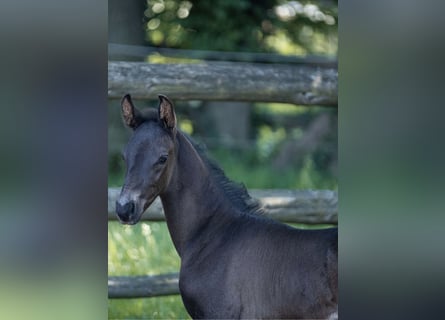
(125, 212)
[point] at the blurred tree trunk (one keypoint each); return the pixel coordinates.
(126, 24)
(293, 151)
(230, 121)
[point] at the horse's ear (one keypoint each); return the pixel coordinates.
(132, 116)
(167, 113)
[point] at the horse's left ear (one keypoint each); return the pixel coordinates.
(132, 117)
(167, 113)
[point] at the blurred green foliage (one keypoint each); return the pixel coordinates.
(288, 27)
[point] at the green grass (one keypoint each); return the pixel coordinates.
(170, 307)
(145, 248)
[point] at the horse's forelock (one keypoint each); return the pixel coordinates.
(149, 114)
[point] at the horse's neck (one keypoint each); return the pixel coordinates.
(190, 199)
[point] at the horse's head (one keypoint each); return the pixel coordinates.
(149, 157)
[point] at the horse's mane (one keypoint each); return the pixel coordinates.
(235, 192)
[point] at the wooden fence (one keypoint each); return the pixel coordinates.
(304, 84)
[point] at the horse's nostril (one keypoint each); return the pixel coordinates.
(129, 207)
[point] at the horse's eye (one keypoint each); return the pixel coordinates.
(162, 159)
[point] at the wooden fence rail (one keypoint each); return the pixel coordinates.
(143, 286)
(225, 81)
(297, 206)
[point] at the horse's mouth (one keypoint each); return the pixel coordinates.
(136, 217)
(148, 203)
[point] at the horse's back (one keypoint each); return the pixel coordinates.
(287, 272)
(262, 269)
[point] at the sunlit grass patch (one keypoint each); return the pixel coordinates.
(142, 249)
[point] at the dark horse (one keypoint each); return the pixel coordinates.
(235, 263)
